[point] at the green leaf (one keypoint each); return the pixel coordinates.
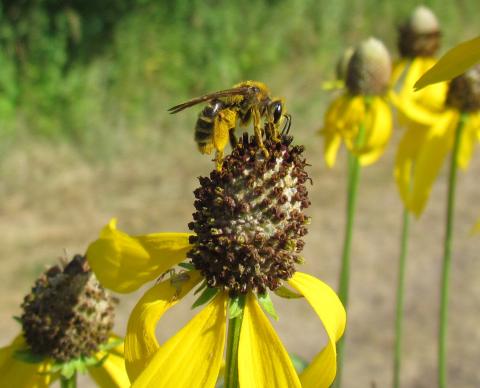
(298, 362)
(200, 288)
(188, 266)
(18, 320)
(27, 356)
(68, 369)
(236, 306)
(206, 296)
(287, 293)
(106, 346)
(267, 305)
(92, 361)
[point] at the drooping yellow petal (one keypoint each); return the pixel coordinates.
(455, 62)
(111, 373)
(140, 340)
(193, 356)
(430, 159)
(407, 152)
(124, 263)
(420, 107)
(378, 132)
(19, 374)
(263, 362)
(321, 372)
(468, 141)
(399, 71)
(332, 144)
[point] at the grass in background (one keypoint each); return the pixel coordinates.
(91, 72)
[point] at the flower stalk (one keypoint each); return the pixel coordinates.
(231, 362)
(397, 358)
(343, 290)
(68, 382)
(447, 256)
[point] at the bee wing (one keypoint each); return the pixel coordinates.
(207, 97)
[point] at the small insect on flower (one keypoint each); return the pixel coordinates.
(246, 101)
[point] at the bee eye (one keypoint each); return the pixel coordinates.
(277, 111)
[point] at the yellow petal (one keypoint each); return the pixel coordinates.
(193, 356)
(467, 142)
(19, 374)
(111, 373)
(378, 132)
(332, 144)
(263, 362)
(430, 159)
(407, 152)
(140, 341)
(321, 371)
(399, 70)
(124, 263)
(418, 107)
(455, 62)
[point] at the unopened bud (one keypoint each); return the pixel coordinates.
(420, 35)
(369, 68)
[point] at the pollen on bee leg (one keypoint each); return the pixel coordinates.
(219, 159)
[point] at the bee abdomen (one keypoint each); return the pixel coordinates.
(204, 127)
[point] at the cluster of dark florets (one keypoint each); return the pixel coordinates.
(68, 313)
(249, 219)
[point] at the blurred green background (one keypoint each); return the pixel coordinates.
(77, 70)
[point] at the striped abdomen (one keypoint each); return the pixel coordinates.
(204, 127)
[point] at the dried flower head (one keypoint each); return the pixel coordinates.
(67, 314)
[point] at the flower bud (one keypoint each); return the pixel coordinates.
(420, 35)
(369, 69)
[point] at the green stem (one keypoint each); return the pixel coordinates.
(400, 300)
(353, 180)
(231, 362)
(447, 257)
(68, 382)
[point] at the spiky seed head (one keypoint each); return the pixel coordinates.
(68, 313)
(249, 220)
(369, 69)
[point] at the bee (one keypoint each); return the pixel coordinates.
(227, 109)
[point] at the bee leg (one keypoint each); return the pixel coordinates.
(258, 132)
(219, 159)
(232, 137)
(275, 134)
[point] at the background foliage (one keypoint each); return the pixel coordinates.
(77, 69)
